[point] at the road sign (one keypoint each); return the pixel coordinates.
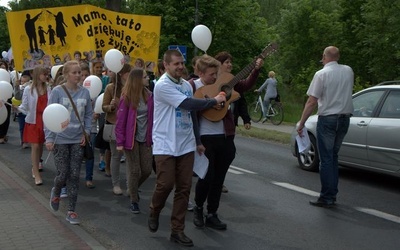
(181, 48)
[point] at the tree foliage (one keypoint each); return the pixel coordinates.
(236, 26)
(366, 32)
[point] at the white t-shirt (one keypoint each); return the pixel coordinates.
(172, 126)
(208, 127)
(333, 86)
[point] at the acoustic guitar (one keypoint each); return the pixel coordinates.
(226, 82)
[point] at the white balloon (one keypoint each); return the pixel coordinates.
(6, 90)
(201, 37)
(94, 85)
(4, 54)
(98, 106)
(56, 117)
(114, 60)
(4, 75)
(3, 112)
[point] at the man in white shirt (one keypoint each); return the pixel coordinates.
(331, 89)
(174, 143)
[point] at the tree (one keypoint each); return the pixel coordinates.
(4, 37)
(305, 29)
(380, 40)
(236, 26)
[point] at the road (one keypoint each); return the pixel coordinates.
(266, 207)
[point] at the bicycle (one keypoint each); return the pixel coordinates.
(275, 111)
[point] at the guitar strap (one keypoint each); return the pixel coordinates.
(191, 81)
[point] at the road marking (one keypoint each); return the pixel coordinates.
(234, 171)
(243, 170)
(296, 188)
(369, 211)
(379, 214)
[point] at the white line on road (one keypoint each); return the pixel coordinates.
(369, 211)
(296, 188)
(234, 171)
(243, 170)
(379, 214)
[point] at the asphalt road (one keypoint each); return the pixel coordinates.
(266, 207)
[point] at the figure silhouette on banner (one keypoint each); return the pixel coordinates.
(60, 30)
(52, 33)
(31, 31)
(41, 32)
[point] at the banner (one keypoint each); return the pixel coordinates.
(53, 36)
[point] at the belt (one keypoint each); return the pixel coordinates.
(339, 115)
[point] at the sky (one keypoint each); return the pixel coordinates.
(4, 3)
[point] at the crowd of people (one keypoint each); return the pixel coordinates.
(155, 122)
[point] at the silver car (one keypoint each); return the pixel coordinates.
(373, 140)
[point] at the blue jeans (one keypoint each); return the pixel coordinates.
(90, 163)
(331, 131)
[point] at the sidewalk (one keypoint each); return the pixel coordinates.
(28, 223)
(268, 126)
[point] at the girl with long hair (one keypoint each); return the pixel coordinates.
(68, 144)
(34, 101)
(134, 131)
(111, 100)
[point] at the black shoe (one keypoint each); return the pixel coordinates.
(198, 217)
(213, 221)
(153, 223)
(322, 203)
(182, 239)
(135, 208)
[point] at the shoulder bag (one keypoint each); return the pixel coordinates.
(88, 152)
(109, 129)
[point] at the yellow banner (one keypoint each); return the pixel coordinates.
(53, 36)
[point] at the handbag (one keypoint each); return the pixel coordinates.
(109, 129)
(109, 132)
(88, 152)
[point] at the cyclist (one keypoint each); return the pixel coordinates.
(271, 92)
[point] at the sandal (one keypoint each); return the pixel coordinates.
(90, 185)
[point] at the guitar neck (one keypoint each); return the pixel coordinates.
(270, 48)
(242, 74)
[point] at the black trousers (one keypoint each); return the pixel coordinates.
(6, 124)
(220, 151)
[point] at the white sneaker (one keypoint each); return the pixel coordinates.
(123, 159)
(117, 190)
(190, 206)
(64, 192)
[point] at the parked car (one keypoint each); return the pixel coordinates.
(373, 139)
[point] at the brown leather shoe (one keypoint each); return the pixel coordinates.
(152, 222)
(182, 239)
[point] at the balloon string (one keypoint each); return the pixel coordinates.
(115, 87)
(7, 103)
(48, 155)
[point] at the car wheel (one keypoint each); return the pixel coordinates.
(310, 160)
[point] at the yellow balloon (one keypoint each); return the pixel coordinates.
(15, 102)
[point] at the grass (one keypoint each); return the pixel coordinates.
(264, 134)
